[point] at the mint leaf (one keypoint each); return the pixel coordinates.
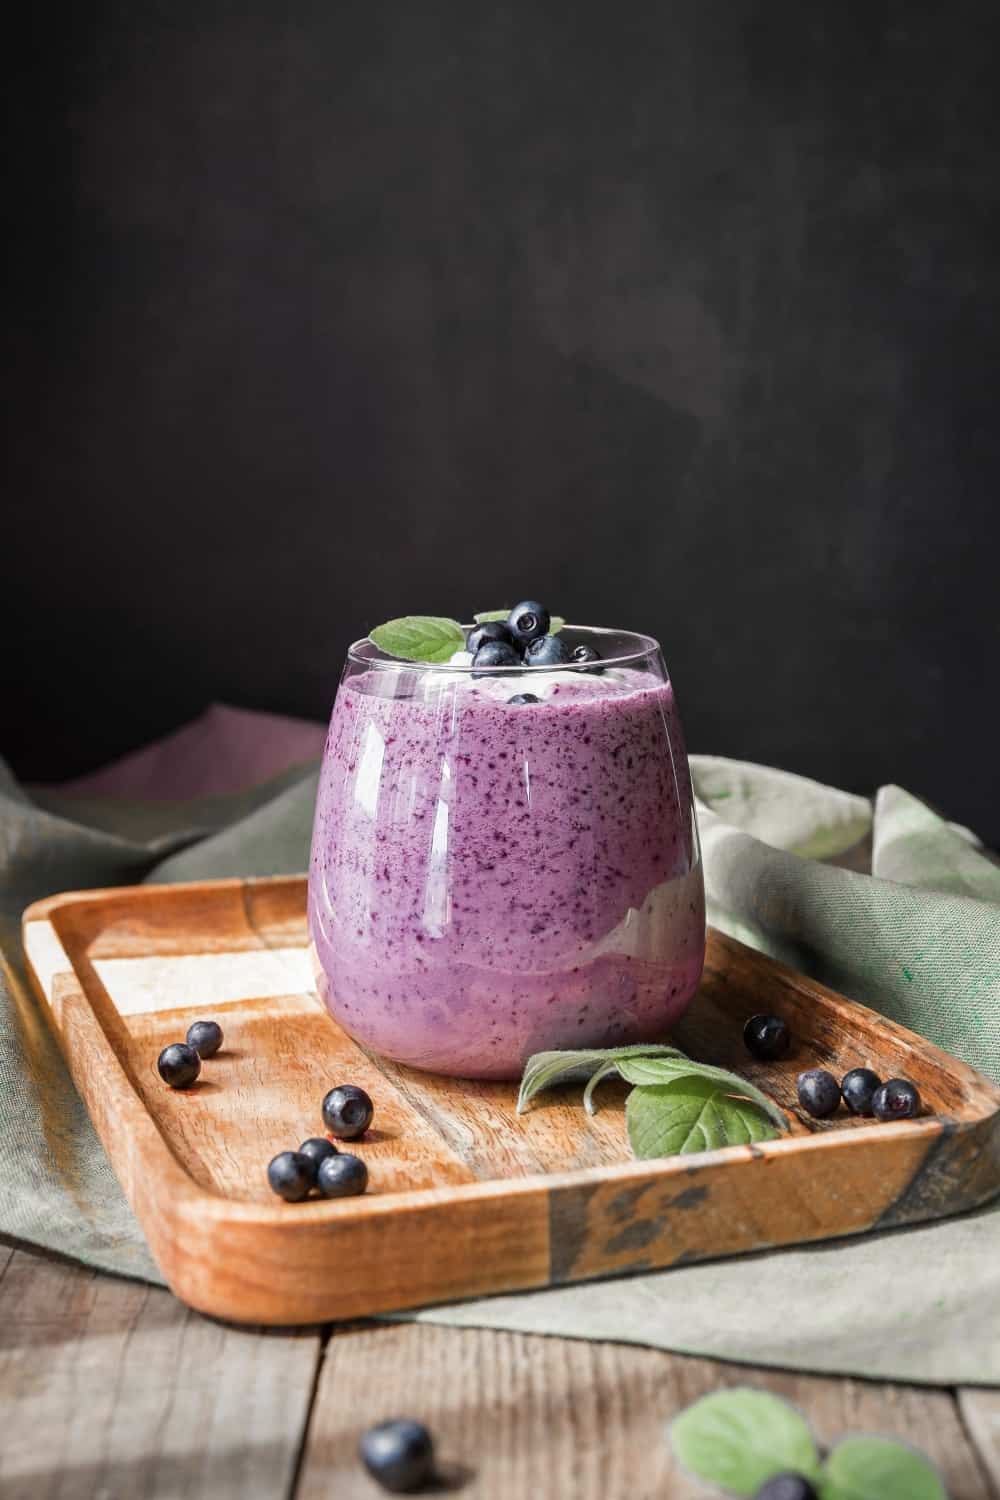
(544, 1069)
(419, 638)
(740, 1438)
(556, 624)
(871, 1468)
(691, 1114)
(658, 1070)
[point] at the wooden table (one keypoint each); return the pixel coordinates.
(111, 1390)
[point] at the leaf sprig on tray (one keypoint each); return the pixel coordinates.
(677, 1106)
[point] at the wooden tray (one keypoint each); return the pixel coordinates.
(466, 1197)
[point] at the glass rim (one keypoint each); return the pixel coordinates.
(365, 653)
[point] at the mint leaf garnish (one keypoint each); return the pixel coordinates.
(871, 1468)
(740, 1438)
(555, 625)
(544, 1069)
(419, 638)
(691, 1114)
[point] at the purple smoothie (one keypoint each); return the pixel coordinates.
(491, 880)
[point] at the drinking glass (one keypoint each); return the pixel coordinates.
(491, 877)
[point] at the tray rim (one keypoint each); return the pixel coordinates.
(198, 1210)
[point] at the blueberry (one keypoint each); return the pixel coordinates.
(347, 1112)
(495, 654)
(858, 1088)
(491, 630)
(342, 1176)
(179, 1065)
(528, 621)
(767, 1037)
(585, 653)
(524, 698)
(819, 1092)
(205, 1037)
(399, 1455)
(317, 1148)
(291, 1175)
(896, 1100)
(787, 1487)
(547, 651)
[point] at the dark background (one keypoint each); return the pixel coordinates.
(682, 316)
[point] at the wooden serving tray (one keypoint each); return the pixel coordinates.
(466, 1197)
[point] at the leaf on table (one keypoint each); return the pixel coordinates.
(691, 1114)
(544, 1069)
(742, 1437)
(873, 1468)
(419, 638)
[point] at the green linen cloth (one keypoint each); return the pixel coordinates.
(919, 941)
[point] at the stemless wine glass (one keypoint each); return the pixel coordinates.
(508, 862)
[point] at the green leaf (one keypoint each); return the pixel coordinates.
(419, 638)
(740, 1438)
(872, 1468)
(544, 1069)
(691, 1114)
(556, 624)
(656, 1070)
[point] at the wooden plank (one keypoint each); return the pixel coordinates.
(466, 1198)
(517, 1414)
(981, 1413)
(113, 1388)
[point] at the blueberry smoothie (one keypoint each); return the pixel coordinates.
(503, 864)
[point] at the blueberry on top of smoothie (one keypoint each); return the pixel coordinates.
(585, 653)
(490, 630)
(547, 651)
(495, 654)
(521, 698)
(528, 621)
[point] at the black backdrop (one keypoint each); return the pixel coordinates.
(683, 316)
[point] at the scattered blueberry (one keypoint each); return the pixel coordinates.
(585, 653)
(342, 1176)
(179, 1065)
(896, 1100)
(546, 651)
(819, 1092)
(347, 1112)
(787, 1487)
(490, 630)
(317, 1148)
(528, 622)
(524, 698)
(858, 1088)
(495, 654)
(767, 1037)
(205, 1037)
(291, 1175)
(399, 1455)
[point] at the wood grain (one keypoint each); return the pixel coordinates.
(981, 1413)
(111, 1388)
(466, 1198)
(518, 1414)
